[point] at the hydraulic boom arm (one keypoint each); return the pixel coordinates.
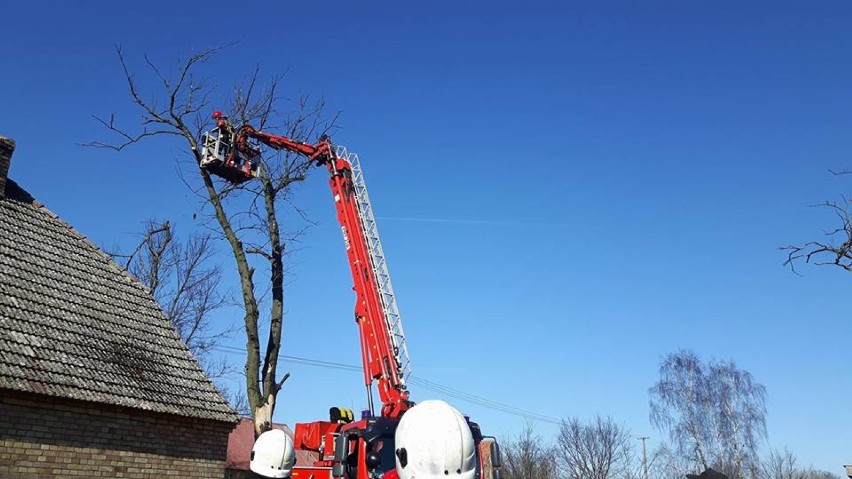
(383, 350)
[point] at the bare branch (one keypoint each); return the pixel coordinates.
(147, 238)
(838, 254)
(280, 383)
(526, 457)
(247, 216)
(153, 115)
(153, 67)
(599, 449)
(130, 139)
(260, 252)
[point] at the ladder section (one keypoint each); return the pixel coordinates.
(379, 264)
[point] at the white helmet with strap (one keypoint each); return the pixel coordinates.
(273, 455)
(434, 441)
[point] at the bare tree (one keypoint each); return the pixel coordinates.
(527, 457)
(818, 474)
(184, 279)
(836, 249)
(714, 414)
(665, 463)
(246, 216)
(600, 449)
(783, 464)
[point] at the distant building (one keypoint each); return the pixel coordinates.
(707, 474)
(94, 380)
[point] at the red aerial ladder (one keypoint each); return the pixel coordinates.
(350, 449)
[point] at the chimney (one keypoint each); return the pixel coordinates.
(7, 146)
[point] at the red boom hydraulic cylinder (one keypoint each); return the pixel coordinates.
(378, 354)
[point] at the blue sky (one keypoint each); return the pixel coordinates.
(566, 193)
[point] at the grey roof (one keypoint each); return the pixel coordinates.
(74, 324)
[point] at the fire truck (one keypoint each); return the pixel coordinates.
(346, 447)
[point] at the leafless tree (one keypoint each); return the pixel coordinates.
(248, 216)
(527, 457)
(665, 463)
(817, 474)
(783, 464)
(599, 449)
(714, 414)
(184, 280)
(836, 249)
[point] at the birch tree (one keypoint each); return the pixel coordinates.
(713, 413)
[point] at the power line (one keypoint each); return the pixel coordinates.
(418, 381)
(488, 403)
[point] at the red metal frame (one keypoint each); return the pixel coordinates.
(377, 352)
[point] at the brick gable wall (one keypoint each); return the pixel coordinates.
(45, 437)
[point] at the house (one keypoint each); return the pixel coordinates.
(94, 380)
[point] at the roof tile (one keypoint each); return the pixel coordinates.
(74, 324)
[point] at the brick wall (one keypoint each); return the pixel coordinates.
(47, 438)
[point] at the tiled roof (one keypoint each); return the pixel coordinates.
(74, 324)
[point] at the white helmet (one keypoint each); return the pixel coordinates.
(434, 441)
(273, 454)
